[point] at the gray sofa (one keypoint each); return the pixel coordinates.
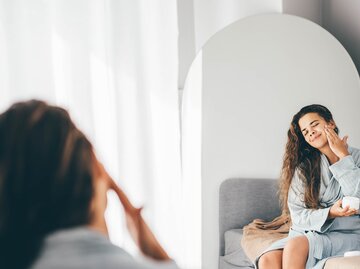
(241, 201)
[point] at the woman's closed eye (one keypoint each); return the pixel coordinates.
(312, 125)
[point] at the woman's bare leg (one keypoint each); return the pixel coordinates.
(271, 260)
(295, 253)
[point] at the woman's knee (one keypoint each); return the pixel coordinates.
(270, 260)
(297, 244)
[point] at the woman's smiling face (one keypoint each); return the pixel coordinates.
(312, 127)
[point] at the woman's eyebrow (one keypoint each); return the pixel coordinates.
(308, 125)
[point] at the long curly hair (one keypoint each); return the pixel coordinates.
(303, 159)
(45, 179)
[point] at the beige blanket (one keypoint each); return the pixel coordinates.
(259, 235)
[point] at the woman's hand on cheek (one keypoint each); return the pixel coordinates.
(337, 145)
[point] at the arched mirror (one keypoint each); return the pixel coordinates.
(240, 95)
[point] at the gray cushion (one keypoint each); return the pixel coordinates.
(243, 200)
(233, 240)
(234, 254)
(237, 259)
(223, 264)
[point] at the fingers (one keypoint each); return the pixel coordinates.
(347, 211)
(344, 210)
(350, 212)
(331, 130)
(122, 196)
(101, 173)
(333, 135)
(329, 138)
(330, 133)
(128, 206)
(338, 146)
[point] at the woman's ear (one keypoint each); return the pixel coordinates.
(332, 124)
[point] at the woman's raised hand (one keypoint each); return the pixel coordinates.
(337, 211)
(139, 230)
(338, 146)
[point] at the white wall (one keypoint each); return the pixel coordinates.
(201, 19)
(214, 15)
(256, 74)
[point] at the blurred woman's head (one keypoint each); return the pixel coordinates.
(45, 179)
(306, 139)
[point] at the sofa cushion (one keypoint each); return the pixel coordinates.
(232, 240)
(223, 264)
(234, 254)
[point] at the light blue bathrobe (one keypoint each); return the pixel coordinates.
(327, 238)
(84, 248)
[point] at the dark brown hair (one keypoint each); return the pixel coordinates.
(303, 159)
(45, 179)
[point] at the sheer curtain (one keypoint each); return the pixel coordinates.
(113, 64)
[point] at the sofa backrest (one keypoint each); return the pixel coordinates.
(243, 200)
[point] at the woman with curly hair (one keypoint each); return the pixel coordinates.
(319, 169)
(53, 198)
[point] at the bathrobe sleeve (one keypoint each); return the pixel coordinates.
(347, 172)
(302, 217)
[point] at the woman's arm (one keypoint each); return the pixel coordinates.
(138, 228)
(347, 173)
(312, 219)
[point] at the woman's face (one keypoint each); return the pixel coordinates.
(312, 127)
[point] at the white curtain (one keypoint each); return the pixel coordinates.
(113, 64)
